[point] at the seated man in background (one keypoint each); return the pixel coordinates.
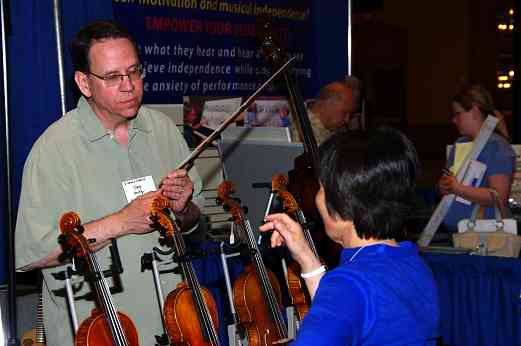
(382, 293)
(329, 112)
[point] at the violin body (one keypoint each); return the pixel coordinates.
(95, 331)
(180, 303)
(251, 307)
(189, 311)
(256, 291)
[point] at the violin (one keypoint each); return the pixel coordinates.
(106, 325)
(303, 181)
(299, 295)
(190, 312)
(256, 292)
(278, 186)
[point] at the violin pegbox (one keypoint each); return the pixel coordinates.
(289, 203)
(279, 182)
(230, 204)
(159, 214)
(71, 239)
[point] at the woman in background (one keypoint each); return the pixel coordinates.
(470, 107)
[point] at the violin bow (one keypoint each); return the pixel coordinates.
(189, 161)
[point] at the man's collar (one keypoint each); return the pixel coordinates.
(93, 127)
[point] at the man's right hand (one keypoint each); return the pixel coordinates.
(135, 217)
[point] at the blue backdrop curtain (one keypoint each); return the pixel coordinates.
(33, 78)
(330, 39)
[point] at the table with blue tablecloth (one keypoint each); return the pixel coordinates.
(479, 299)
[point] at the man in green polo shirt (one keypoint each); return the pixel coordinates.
(100, 160)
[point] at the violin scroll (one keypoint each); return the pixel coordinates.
(288, 201)
(69, 221)
(71, 239)
(160, 203)
(230, 204)
(162, 221)
(279, 182)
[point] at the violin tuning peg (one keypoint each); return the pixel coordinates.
(238, 200)
(81, 229)
(62, 239)
(91, 240)
(245, 209)
(218, 200)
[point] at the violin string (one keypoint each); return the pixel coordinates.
(195, 291)
(110, 310)
(203, 307)
(113, 317)
(207, 325)
(268, 291)
(102, 288)
(262, 274)
(302, 220)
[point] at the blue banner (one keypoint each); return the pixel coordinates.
(210, 48)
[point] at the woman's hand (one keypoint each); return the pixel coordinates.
(288, 232)
(447, 184)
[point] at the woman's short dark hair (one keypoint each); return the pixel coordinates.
(96, 31)
(369, 179)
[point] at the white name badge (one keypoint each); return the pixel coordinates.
(137, 187)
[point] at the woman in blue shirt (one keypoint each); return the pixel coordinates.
(470, 108)
(382, 293)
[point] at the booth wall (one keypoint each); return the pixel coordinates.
(34, 96)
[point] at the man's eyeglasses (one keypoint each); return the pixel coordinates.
(135, 74)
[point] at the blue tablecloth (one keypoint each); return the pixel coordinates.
(479, 296)
(480, 299)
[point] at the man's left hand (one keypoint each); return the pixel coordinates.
(178, 187)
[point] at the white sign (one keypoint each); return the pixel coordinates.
(215, 112)
(269, 112)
